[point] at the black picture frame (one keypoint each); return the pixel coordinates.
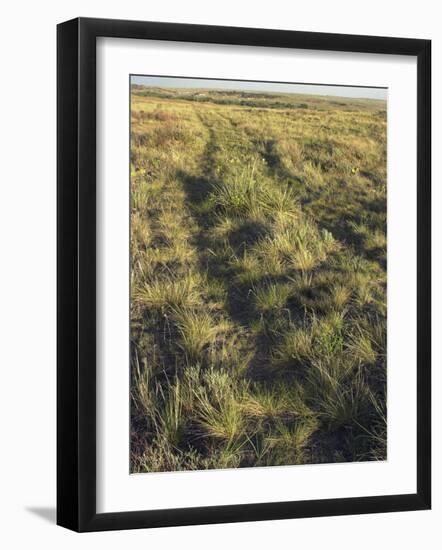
(76, 274)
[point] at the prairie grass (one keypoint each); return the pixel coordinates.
(196, 331)
(360, 346)
(271, 297)
(294, 346)
(339, 404)
(288, 441)
(162, 293)
(171, 419)
(220, 419)
(258, 279)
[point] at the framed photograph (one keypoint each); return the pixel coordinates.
(243, 274)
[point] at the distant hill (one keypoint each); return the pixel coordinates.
(267, 100)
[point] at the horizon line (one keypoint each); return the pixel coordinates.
(291, 88)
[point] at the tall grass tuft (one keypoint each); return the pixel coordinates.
(196, 331)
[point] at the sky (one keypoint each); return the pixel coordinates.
(311, 89)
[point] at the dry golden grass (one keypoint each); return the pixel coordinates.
(258, 279)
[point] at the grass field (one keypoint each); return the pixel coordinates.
(258, 279)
